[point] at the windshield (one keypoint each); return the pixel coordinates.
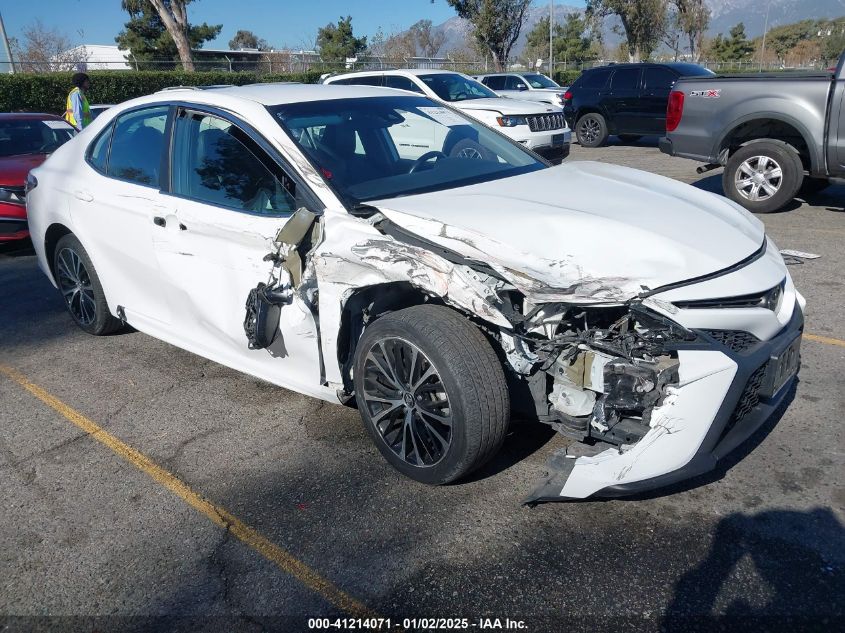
(540, 81)
(455, 87)
(32, 136)
(385, 147)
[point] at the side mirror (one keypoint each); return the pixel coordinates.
(521, 87)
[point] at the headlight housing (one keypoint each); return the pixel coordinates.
(511, 121)
(13, 195)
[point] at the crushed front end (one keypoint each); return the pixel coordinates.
(651, 402)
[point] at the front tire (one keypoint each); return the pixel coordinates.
(763, 176)
(591, 130)
(431, 392)
(81, 289)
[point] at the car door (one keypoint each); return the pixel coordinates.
(622, 100)
(228, 199)
(657, 84)
(515, 87)
(114, 209)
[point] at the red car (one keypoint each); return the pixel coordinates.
(25, 142)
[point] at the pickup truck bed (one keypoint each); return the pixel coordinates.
(771, 132)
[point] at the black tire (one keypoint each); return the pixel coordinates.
(811, 186)
(757, 159)
(467, 148)
(630, 138)
(468, 377)
(591, 130)
(81, 289)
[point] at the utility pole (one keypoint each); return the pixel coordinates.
(765, 31)
(551, 32)
(6, 49)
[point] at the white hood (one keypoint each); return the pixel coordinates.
(585, 231)
(504, 105)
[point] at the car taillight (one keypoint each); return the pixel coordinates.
(675, 110)
(567, 95)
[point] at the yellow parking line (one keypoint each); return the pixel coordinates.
(218, 515)
(824, 339)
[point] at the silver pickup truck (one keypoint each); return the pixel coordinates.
(775, 135)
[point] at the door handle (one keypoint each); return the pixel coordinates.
(159, 221)
(85, 196)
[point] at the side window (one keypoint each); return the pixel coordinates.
(658, 78)
(626, 79)
(136, 146)
(495, 82)
(514, 83)
(595, 80)
(360, 81)
(98, 152)
(216, 162)
(402, 83)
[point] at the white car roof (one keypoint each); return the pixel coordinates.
(408, 72)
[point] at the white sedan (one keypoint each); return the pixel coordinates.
(289, 232)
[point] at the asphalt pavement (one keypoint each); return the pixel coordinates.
(145, 488)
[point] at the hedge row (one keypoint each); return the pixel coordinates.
(566, 77)
(31, 92)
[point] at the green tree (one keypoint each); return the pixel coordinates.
(248, 39)
(336, 42)
(427, 42)
(692, 18)
(736, 47)
(149, 40)
(642, 22)
(571, 41)
(496, 24)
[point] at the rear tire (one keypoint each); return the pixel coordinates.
(81, 289)
(591, 130)
(763, 176)
(438, 428)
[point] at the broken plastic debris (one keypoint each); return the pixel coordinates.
(800, 254)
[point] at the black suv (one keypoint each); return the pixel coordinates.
(628, 100)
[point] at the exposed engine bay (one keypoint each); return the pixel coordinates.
(597, 372)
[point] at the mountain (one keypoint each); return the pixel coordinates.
(724, 15)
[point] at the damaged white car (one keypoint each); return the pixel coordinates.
(293, 232)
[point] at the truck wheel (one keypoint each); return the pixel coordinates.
(591, 130)
(431, 393)
(81, 289)
(763, 176)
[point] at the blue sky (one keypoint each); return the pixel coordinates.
(280, 22)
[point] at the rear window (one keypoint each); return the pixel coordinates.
(360, 81)
(494, 83)
(33, 136)
(658, 78)
(692, 70)
(593, 80)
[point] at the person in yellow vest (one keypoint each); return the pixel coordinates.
(77, 110)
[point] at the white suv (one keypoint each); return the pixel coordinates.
(293, 233)
(538, 127)
(525, 86)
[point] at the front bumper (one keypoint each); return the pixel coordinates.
(13, 223)
(546, 141)
(719, 403)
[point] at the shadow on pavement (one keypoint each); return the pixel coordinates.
(805, 587)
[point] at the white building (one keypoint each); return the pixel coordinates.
(95, 57)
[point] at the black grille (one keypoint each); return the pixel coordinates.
(735, 340)
(749, 399)
(545, 122)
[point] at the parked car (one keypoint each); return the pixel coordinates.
(525, 86)
(777, 136)
(25, 142)
(98, 108)
(286, 232)
(538, 127)
(628, 100)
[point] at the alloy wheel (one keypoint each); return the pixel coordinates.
(758, 178)
(407, 402)
(469, 152)
(75, 284)
(589, 129)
